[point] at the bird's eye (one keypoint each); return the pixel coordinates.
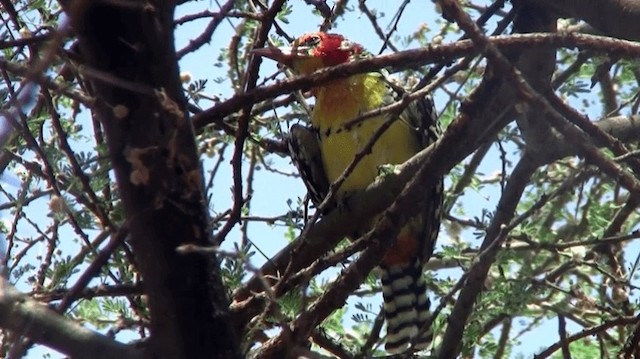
(311, 41)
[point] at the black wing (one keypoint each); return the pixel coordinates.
(421, 115)
(304, 148)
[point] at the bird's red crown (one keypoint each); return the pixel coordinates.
(333, 49)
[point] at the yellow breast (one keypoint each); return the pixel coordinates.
(339, 103)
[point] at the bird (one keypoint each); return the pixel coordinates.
(323, 150)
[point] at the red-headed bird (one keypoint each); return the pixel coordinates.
(323, 151)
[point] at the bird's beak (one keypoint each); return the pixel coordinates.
(279, 54)
(283, 55)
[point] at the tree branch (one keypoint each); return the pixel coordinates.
(506, 206)
(154, 157)
(29, 318)
(617, 18)
(416, 57)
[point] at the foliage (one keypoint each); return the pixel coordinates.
(568, 247)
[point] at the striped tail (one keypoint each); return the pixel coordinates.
(406, 307)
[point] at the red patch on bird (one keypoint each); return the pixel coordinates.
(404, 249)
(333, 49)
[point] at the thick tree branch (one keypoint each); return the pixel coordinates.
(27, 317)
(623, 128)
(538, 66)
(131, 65)
(89, 293)
(617, 18)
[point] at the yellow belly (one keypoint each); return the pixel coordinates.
(342, 101)
(395, 146)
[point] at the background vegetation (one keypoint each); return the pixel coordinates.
(153, 213)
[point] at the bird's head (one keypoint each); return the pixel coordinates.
(313, 51)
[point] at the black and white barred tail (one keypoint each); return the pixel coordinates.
(406, 307)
